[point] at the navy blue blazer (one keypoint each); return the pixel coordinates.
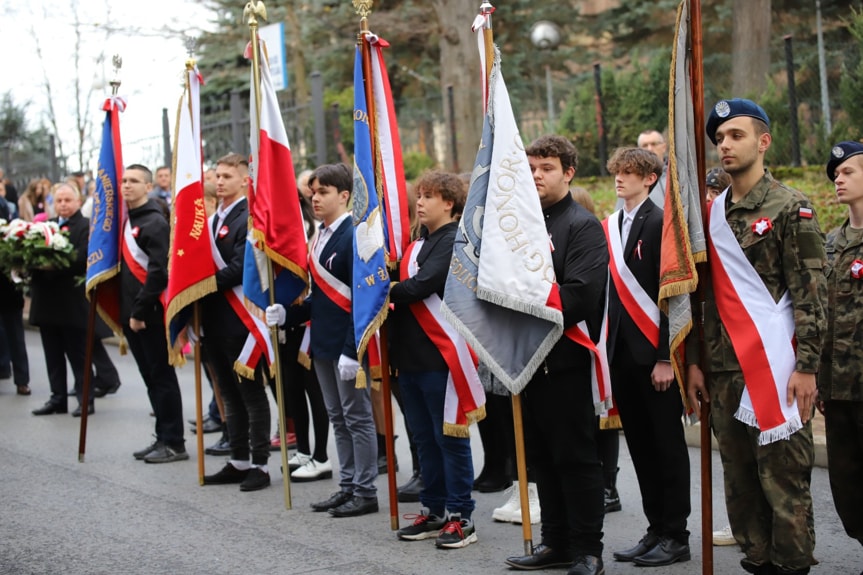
(332, 328)
(646, 227)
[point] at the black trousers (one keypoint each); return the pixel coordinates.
(560, 435)
(106, 373)
(298, 384)
(654, 435)
(150, 350)
(247, 407)
(13, 348)
(59, 344)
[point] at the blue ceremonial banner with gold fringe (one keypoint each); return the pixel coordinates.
(106, 223)
(371, 280)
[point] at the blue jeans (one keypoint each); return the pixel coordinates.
(446, 463)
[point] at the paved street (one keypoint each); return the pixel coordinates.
(112, 514)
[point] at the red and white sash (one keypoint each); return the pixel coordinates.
(465, 397)
(761, 332)
(258, 341)
(600, 375)
(137, 260)
(640, 307)
(335, 289)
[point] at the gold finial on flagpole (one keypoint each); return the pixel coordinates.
(117, 61)
(363, 8)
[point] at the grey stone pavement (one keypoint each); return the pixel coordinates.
(112, 514)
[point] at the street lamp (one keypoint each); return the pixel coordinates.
(546, 36)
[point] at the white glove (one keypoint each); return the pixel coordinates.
(348, 368)
(275, 315)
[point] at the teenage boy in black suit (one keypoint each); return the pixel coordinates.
(247, 408)
(642, 379)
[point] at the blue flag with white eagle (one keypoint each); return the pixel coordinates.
(371, 280)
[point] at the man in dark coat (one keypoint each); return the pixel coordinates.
(59, 308)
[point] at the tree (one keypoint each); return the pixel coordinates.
(750, 46)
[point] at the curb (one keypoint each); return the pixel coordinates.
(693, 439)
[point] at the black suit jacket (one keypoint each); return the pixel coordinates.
(622, 331)
(57, 296)
(219, 318)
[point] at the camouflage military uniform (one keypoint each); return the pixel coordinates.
(840, 380)
(767, 487)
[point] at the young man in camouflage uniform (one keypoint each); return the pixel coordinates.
(766, 255)
(840, 380)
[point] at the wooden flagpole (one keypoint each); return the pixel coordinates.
(363, 9)
(91, 321)
(486, 9)
(253, 11)
(199, 432)
(697, 79)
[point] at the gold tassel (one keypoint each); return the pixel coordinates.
(610, 422)
(243, 370)
(455, 430)
(361, 379)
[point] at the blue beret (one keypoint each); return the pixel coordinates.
(727, 109)
(841, 152)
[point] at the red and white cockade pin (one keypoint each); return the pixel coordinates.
(762, 226)
(223, 231)
(857, 269)
(135, 231)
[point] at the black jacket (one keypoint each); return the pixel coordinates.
(57, 296)
(218, 317)
(412, 350)
(644, 265)
(153, 236)
(580, 258)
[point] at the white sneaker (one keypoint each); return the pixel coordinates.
(512, 506)
(533, 499)
(724, 536)
(298, 460)
(312, 471)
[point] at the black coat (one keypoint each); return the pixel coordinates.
(218, 317)
(57, 296)
(153, 236)
(646, 227)
(580, 259)
(412, 350)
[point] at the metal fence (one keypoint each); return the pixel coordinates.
(318, 135)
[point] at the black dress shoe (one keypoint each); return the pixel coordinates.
(543, 557)
(49, 408)
(356, 506)
(758, 568)
(90, 411)
(647, 543)
(666, 552)
(410, 491)
(493, 484)
(103, 391)
(256, 479)
(336, 499)
(586, 565)
(227, 475)
(612, 500)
